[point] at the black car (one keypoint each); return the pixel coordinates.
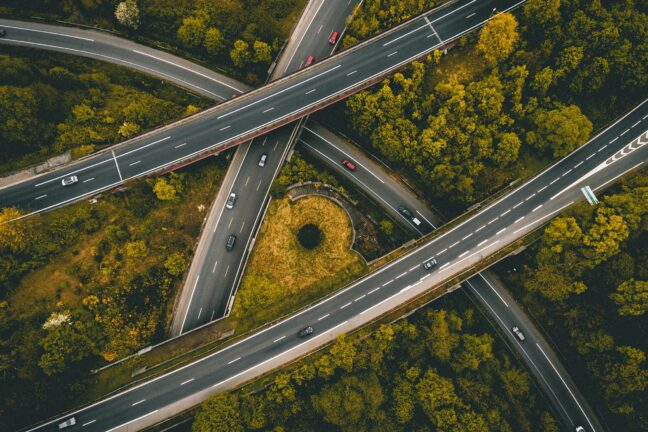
(231, 241)
(306, 332)
(3, 32)
(405, 212)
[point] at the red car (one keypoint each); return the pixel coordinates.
(309, 61)
(334, 38)
(350, 165)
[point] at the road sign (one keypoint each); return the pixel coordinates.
(589, 195)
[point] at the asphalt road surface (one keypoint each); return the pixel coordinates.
(617, 150)
(254, 113)
(215, 272)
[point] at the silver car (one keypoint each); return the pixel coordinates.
(67, 423)
(231, 200)
(262, 161)
(69, 180)
(518, 333)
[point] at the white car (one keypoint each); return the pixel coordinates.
(518, 333)
(69, 180)
(262, 161)
(67, 423)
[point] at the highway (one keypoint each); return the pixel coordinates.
(214, 273)
(617, 150)
(240, 119)
(328, 148)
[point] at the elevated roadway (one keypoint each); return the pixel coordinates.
(257, 112)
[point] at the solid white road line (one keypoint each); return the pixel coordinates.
(132, 421)
(302, 36)
(48, 32)
(143, 147)
(566, 386)
(544, 217)
(494, 290)
(190, 298)
(263, 99)
(117, 165)
(343, 152)
(190, 70)
(468, 257)
(424, 218)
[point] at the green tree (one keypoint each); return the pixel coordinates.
(498, 38)
(560, 130)
(474, 350)
(441, 340)
(435, 392)
(403, 401)
(136, 249)
(128, 129)
(631, 298)
(542, 12)
(240, 54)
(14, 234)
(64, 344)
(214, 41)
(164, 190)
(507, 149)
(350, 402)
(262, 52)
(176, 263)
(605, 236)
(192, 31)
(219, 413)
(343, 353)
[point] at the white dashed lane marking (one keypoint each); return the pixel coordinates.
(323, 317)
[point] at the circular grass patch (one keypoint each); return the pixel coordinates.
(309, 236)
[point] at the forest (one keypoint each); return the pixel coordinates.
(238, 36)
(90, 283)
(55, 103)
(586, 282)
(439, 370)
(464, 125)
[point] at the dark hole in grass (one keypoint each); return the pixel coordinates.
(309, 236)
